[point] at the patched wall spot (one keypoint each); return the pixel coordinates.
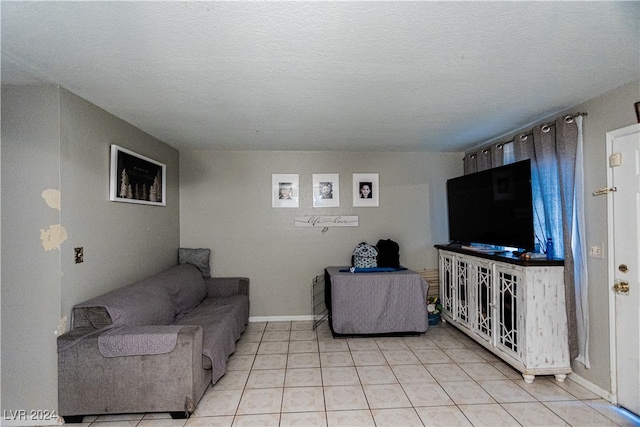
(52, 198)
(53, 237)
(62, 326)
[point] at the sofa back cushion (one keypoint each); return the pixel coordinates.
(136, 304)
(156, 300)
(184, 285)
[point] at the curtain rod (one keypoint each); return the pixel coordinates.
(545, 127)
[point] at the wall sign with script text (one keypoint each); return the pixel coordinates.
(326, 221)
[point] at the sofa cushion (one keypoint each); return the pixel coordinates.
(136, 304)
(240, 310)
(184, 285)
(218, 338)
(198, 257)
(156, 300)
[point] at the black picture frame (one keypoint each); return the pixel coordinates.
(136, 178)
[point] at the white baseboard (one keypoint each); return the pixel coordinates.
(590, 386)
(301, 318)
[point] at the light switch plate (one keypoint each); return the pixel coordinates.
(615, 160)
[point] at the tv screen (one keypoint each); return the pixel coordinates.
(493, 207)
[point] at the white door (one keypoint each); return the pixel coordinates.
(623, 147)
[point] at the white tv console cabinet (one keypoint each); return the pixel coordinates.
(514, 308)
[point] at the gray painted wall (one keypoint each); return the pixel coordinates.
(54, 140)
(30, 274)
(613, 110)
(122, 241)
(226, 206)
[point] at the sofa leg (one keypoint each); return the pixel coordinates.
(72, 419)
(179, 415)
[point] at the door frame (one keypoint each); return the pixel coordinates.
(610, 136)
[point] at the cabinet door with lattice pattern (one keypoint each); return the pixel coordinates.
(447, 284)
(510, 290)
(483, 301)
(464, 275)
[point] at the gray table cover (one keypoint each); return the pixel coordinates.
(378, 303)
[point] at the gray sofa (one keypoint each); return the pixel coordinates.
(152, 346)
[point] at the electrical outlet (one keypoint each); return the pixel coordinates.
(78, 255)
(596, 251)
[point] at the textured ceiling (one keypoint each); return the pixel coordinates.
(391, 76)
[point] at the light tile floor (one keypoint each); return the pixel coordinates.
(287, 374)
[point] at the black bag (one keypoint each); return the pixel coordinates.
(388, 253)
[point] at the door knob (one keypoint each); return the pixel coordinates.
(621, 287)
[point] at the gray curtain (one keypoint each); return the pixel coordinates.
(497, 155)
(470, 164)
(566, 147)
(552, 150)
(483, 159)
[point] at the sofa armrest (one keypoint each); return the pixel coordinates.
(218, 287)
(89, 383)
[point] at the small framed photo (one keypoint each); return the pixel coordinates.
(284, 190)
(326, 190)
(366, 190)
(136, 178)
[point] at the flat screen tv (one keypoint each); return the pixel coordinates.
(493, 207)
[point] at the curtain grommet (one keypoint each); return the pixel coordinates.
(546, 128)
(568, 119)
(523, 137)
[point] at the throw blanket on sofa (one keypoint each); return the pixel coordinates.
(218, 340)
(138, 340)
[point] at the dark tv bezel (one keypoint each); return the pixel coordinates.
(522, 240)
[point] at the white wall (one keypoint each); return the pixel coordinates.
(53, 140)
(226, 206)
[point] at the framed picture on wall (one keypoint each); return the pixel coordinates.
(366, 190)
(136, 178)
(284, 190)
(326, 190)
